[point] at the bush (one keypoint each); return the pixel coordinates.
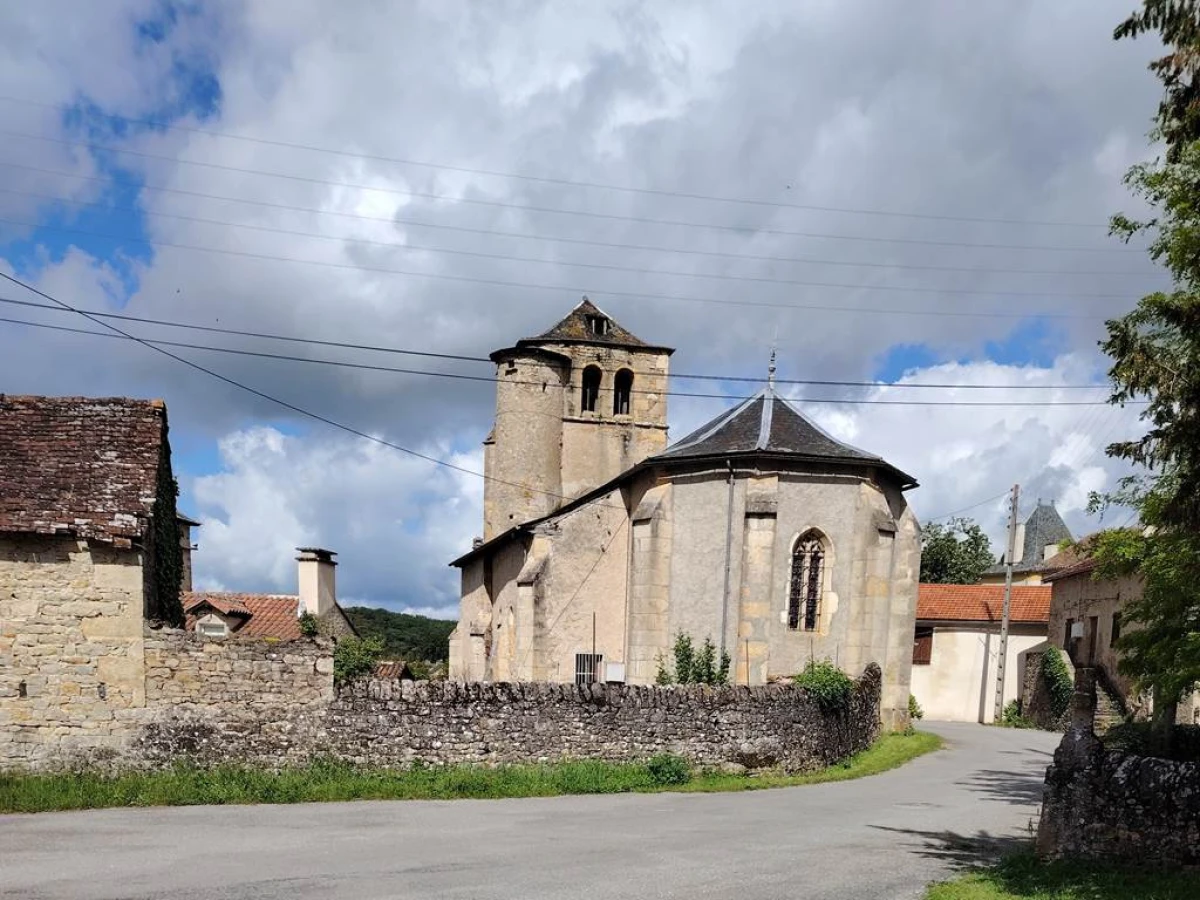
(1139, 739)
(1059, 684)
(1012, 718)
(914, 709)
(355, 657)
(667, 768)
(828, 685)
(310, 626)
(692, 667)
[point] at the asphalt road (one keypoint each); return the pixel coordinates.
(881, 837)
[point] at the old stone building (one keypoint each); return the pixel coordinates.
(601, 543)
(1037, 555)
(87, 510)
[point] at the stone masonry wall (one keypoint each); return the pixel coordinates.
(1107, 805)
(71, 667)
(395, 723)
(1112, 806)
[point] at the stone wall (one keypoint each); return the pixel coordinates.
(1113, 806)
(1108, 805)
(395, 723)
(225, 699)
(71, 667)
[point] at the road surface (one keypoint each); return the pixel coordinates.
(883, 837)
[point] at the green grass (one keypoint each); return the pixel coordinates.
(1022, 877)
(327, 780)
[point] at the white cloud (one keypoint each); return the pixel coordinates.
(394, 521)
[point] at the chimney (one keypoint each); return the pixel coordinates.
(318, 586)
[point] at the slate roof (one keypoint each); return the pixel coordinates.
(767, 424)
(265, 615)
(575, 329)
(82, 466)
(982, 603)
(1043, 527)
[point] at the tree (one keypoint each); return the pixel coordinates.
(1155, 352)
(957, 552)
(1178, 24)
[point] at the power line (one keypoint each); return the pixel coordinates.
(558, 288)
(967, 508)
(745, 230)
(364, 187)
(974, 270)
(484, 359)
(482, 378)
(566, 182)
(607, 267)
(272, 399)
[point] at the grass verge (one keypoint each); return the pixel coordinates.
(327, 780)
(1023, 877)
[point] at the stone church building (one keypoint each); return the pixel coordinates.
(601, 542)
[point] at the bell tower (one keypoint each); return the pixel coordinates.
(575, 407)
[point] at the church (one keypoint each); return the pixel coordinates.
(601, 542)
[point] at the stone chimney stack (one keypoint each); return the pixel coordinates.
(318, 584)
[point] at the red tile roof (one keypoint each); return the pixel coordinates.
(982, 603)
(269, 615)
(78, 465)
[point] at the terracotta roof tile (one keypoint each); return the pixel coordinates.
(270, 615)
(79, 465)
(982, 603)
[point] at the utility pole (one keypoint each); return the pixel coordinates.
(1008, 572)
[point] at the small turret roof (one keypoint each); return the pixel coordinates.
(577, 328)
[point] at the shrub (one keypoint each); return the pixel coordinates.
(828, 685)
(1012, 718)
(667, 768)
(310, 626)
(355, 657)
(692, 667)
(1059, 684)
(914, 709)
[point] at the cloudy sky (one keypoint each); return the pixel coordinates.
(905, 193)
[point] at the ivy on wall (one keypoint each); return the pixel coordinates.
(164, 553)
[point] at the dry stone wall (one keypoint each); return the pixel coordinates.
(1108, 805)
(274, 704)
(393, 724)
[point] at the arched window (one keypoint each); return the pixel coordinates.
(804, 591)
(591, 389)
(622, 389)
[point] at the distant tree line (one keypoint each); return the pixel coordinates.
(404, 636)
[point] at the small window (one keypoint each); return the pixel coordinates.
(590, 395)
(922, 646)
(804, 593)
(213, 629)
(622, 389)
(598, 325)
(1067, 634)
(587, 666)
(1115, 635)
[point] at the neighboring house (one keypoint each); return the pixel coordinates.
(1086, 618)
(394, 669)
(601, 543)
(956, 646)
(1038, 540)
(88, 537)
(220, 614)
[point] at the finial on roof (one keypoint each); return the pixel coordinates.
(771, 371)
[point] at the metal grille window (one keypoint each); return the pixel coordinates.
(591, 389)
(587, 665)
(922, 646)
(804, 595)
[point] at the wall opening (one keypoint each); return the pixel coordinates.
(922, 646)
(598, 325)
(805, 587)
(622, 392)
(590, 394)
(587, 666)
